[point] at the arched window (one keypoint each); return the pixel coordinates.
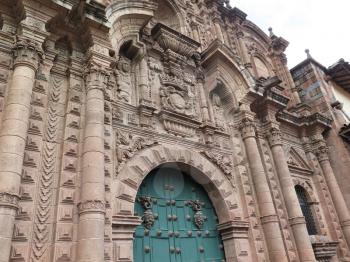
(306, 209)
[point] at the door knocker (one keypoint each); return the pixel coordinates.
(198, 216)
(148, 216)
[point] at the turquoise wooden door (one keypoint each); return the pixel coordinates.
(179, 221)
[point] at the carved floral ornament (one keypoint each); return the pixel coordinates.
(129, 145)
(224, 162)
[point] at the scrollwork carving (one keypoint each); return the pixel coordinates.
(222, 161)
(128, 145)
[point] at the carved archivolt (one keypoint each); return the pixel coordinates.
(202, 170)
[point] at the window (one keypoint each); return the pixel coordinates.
(306, 209)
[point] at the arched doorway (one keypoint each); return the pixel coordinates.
(179, 220)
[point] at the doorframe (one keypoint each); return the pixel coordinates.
(233, 230)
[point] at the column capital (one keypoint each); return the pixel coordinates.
(9, 200)
(275, 137)
(94, 206)
(96, 76)
(247, 128)
(27, 52)
(322, 153)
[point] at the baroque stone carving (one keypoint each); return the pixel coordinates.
(123, 76)
(129, 145)
(224, 162)
(176, 96)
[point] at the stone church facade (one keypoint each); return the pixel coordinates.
(100, 102)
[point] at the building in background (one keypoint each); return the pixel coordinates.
(166, 130)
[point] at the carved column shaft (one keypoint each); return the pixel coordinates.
(13, 136)
(92, 200)
(295, 215)
(143, 80)
(269, 219)
(337, 196)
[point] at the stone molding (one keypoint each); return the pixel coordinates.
(9, 200)
(297, 220)
(92, 206)
(233, 229)
(27, 53)
(269, 219)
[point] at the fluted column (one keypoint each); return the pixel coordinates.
(92, 199)
(336, 194)
(13, 136)
(295, 215)
(269, 219)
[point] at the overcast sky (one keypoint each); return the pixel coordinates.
(323, 26)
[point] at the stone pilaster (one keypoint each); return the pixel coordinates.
(27, 55)
(269, 219)
(295, 215)
(333, 187)
(92, 199)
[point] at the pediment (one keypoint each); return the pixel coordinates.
(297, 161)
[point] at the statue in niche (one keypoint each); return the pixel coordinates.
(219, 111)
(123, 79)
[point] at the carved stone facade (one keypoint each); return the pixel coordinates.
(94, 95)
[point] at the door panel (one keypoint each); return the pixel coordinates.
(176, 235)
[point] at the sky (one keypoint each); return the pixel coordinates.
(322, 26)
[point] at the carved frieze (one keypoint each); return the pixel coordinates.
(92, 206)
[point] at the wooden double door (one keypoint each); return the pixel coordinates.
(179, 221)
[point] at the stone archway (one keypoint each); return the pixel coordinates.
(221, 193)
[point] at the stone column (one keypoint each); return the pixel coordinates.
(143, 81)
(269, 219)
(92, 199)
(336, 194)
(295, 215)
(13, 136)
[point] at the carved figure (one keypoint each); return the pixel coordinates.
(219, 112)
(123, 79)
